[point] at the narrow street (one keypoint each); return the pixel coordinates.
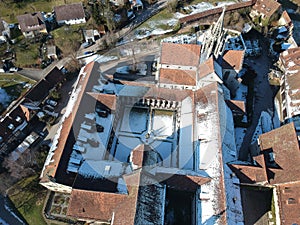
(263, 96)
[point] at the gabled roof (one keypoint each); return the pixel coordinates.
(39, 91)
(236, 106)
(287, 19)
(54, 76)
(279, 150)
(103, 206)
(290, 59)
(69, 12)
(180, 54)
(266, 7)
(31, 22)
(233, 59)
(283, 143)
(176, 76)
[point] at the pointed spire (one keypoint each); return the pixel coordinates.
(214, 39)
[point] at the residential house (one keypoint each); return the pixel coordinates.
(32, 24)
(286, 21)
(4, 31)
(91, 35)
(288, 98)
(276, 166)
(51, 52)
(70, 14)
(264, 11)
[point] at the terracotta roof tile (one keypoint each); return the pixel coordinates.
(236, 106)
(176, 76)
(267, 7)
(206, 67)
(180, 54)
(289, 203)
(283, 142)
(106, 99)
(233, 59)
(102, 205)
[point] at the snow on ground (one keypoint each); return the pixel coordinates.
(201, 7)
(4, 98)
(182, 39)
(241, 93)
(163, 124)
(134, 120)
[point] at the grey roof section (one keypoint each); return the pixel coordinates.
(69, 12)
(31, 22)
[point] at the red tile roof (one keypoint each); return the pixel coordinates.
(206, 67)
(236, 106)
(69, 12)
(233, 59)
(180, 54)
(176, 76)
(103, 206)
(283, 142)
(137, 156)
(289, 203)
(266, 7)
(106, 99)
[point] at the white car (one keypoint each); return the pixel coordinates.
(51, 102)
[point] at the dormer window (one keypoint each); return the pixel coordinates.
(11, 126)
(18, 119)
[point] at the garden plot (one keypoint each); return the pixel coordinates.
(163, 123)
(134, 120)
(124, 146)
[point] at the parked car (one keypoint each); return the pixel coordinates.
(87, 44)
(49, 108)
(51, 102)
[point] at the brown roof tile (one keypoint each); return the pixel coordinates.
(69, 12)
(31, 22)
(267, 7)
(180, 54)
(289, 203)
(103, 205)
(236, 106)
(175, 76)
(106, 99)
(206, 67)
(233, 59)
(283, 142)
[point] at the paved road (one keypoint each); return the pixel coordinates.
(7, 217)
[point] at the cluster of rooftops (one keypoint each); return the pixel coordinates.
(190, 83)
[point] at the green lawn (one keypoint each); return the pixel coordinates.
(28, 196)
(13, 84)
(27, 54)
(10, 9)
